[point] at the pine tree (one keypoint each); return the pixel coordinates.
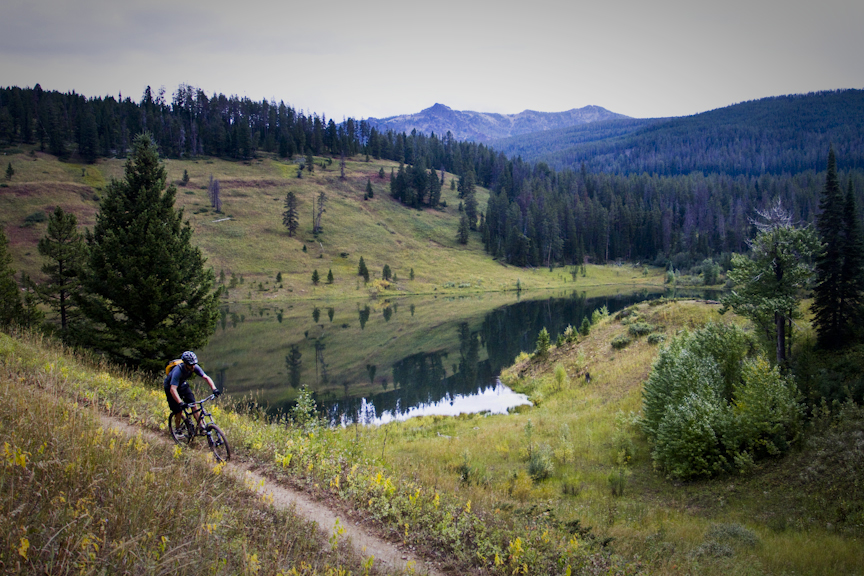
(315, 278)
(290, 215)
(10, 299)
(369, 192)
(319, 211)
(362, 270)
(852, 272)
(9, 171)
(462, 233)
(31, 315)
(830, 315)
(64, 247)
(381, 173)
(147, 293)
(386, 273)
(330, 277)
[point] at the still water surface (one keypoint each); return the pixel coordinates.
(385, 360)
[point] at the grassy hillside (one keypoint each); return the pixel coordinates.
(462, 488)
(79, 497)
(248, 239)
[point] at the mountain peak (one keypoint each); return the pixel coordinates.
(483, 126)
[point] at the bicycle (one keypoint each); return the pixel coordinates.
(189, 429)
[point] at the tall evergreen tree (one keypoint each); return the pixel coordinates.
(64, 248)
(852, 272)
(290, 217)
(10, 299)
(362, 270)
(831, 314)
(147, 293)
(768, 285)
(462, 232)
(9, 171)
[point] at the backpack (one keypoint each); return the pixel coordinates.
(171, 366)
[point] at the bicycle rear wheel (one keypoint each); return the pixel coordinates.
(182, 434)
(218, 443)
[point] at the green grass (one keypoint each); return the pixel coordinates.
(255, 244)
(461, 487)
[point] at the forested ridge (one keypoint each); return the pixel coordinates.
(782, 134)
(536, 215)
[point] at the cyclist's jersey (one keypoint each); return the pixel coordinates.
(178, 375)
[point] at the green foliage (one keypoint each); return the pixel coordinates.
(585, 328)
(463, 230)
(640, 329)
(838, 297)
(64, 248)
(543, 342)
(710, 272)
(304, 413)
(147, 293)
(9, 171)
(541, 464)
(10, 301)
(330, 279)
(362, 270)
(712, 405)
(315, 277)
(599, 315)
(386, 273)
(35, 218)
(620, 341)
(768, 285)
(290, 217)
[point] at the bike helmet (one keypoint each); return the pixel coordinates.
(189, 358)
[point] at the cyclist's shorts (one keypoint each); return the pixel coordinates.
(185, 393)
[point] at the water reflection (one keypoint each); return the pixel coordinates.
(368, 362)
(497, 399)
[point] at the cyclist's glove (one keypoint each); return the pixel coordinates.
(217, 392)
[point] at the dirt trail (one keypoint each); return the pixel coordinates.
(364, 540)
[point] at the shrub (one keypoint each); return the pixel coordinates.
(35, 218)
(656, 338)
(620, 341)
(640, 329)
(540, 463)
(543, 342)
(599, 315)
(711, 405)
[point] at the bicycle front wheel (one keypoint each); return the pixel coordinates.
(218, 443)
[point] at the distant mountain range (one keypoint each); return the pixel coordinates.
(485, 126)
(776, 135)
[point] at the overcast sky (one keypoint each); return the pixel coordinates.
(382, 58)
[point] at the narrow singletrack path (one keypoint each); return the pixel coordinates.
(366, 542)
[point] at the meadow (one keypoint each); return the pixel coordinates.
(247, 239)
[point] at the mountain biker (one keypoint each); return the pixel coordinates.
(177, 389)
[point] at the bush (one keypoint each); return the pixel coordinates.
(598, 315)
(540, 463)
(543, 342)
(711, 405)
(621, 341)
(656, 338)
(640, 329)
(35, 218)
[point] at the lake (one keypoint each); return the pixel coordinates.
(391, 358)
